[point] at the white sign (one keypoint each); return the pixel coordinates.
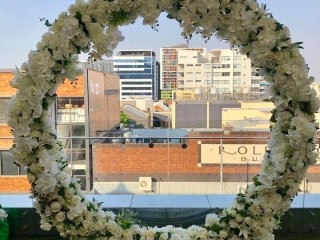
(234, 153)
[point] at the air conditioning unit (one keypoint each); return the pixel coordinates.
(145, 184)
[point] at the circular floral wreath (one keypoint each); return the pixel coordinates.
(92, 27)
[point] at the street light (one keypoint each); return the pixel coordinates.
(225, 132)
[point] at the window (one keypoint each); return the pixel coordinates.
(136, 94)
(225, 65)
(198, 80)
(207, 74)
(217, 74)
(216, 66)
(237, 74)
(236, 81)
(237, 65)
(223, 90)
(65, 102)
(3, 108)
(70, 109)
(7, 165)
(237, 58)
(221, 82)
(225, 58)
(197, 73)
(236, 90)
(136, 88)
(206, 66)
(224, 74)
(189, 72)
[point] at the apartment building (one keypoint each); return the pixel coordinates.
(137, 73)
(169, 66)
(82, 110)
(219, 73)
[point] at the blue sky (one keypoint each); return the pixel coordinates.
(21, 29)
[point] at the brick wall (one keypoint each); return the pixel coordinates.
(128, 160)
(5, 144)
(14, 184)
(104, 109)
(72, 89)
(115, 162)
(5, 89)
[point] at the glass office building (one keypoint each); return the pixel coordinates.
(137, 72)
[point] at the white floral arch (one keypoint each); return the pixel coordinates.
(92, 26)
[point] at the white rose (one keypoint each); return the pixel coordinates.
(60, 217)
(55, 206)
(223, 234)
(44, 225)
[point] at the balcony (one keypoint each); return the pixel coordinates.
(72, 114)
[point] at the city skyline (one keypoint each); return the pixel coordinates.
(20, 23)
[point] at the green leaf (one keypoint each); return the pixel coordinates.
(215, 228)
(48, 146)
(119, 17)
(279, 26)
(297, 45)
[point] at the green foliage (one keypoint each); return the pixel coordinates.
(124, 119)
(126, 218)
(273, 116)
(119, 17)
(46, 22)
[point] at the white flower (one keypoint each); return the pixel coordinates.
(86, 27)
(60, 217)
(223, 234)
(44, 225)
(3, 214)
(55, 207)
(211, 219)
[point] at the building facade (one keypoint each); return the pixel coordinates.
(169, 67)
(220, 73)
(82, 109)
(105, 66)
(205, 162)
(137, 73)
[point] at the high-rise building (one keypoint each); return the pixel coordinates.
(137, 72)
(169, 79)
(214, 74)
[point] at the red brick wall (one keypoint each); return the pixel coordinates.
(139, 158)
(163, 158)
(14, 184)
(5, 144)
(5, 89)
(76, 89)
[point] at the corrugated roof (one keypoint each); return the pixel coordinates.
(135, 111)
